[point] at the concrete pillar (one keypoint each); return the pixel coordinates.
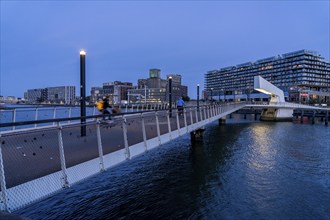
(244, 116)
(313, 117)
(222, 121)
(255, 115)
(301, 116)
(197, 135)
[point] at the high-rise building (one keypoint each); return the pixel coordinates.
(303, 75)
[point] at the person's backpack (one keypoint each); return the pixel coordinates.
(99, 105)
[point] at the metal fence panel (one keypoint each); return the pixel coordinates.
(30, 155)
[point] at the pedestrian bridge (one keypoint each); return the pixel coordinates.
(39, 161)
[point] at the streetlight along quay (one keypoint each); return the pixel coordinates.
(83, 92)
(197, 97)
(170, 94)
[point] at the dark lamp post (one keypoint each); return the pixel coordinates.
(197, 97)
(83, 92)
(170, 94)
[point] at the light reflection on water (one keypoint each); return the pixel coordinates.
(248, 170)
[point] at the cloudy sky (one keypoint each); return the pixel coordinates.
(41, 40)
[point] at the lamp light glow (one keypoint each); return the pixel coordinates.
(82, 52)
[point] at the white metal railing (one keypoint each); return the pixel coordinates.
(53, 158)
(290, 105)
(39, 113)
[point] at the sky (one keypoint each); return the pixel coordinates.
(40, 40)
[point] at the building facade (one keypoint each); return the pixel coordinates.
(155, 89)
(61, 95)
(116, 91)
(303, 75)
(55, 95)
(36, 95)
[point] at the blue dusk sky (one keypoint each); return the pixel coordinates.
(41, 40)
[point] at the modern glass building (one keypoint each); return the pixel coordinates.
(303, 75)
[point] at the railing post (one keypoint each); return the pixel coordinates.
(169, 124)
(185, 118)
(205, 111)
(196, 114)
(3, 193)
(70, 112)
(64, 178)
(99, 144)
(144, 134)
(158, 130)
(126, 107)
(191, 117)
(14, 117)
(36, 117)
(178, 122)
(54, 115)
(127, 153)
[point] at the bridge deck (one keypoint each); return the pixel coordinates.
(38, 162)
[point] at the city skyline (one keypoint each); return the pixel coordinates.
(40, 41)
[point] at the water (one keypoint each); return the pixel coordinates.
(245, 170)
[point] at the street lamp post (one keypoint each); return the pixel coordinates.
(83, 92)
(170, 94)
(197, 97)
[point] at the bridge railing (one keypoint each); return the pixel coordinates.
(39, 161)
(291, 105)
(21, 114)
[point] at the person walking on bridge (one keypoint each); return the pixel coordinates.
(180, 105)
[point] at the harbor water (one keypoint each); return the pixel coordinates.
(245, 169)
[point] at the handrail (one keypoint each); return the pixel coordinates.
(43, 121)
